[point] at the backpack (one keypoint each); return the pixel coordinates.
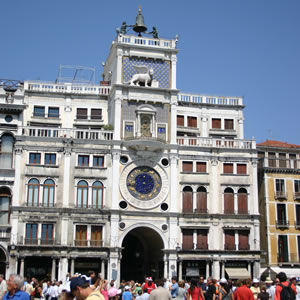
(287, 293)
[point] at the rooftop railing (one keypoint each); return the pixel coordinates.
(65, 88)
(204, 99)
(146, 41)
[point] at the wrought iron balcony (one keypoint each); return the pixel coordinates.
(88, 243)
(281, 195)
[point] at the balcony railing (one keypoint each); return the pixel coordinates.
(88, 243)
(40, 204)
(67, 133)
(50, 87)
(282, 224)
(288, 258)
(39, 242)
(281, 195)
(297, 196)
(215, 143)
(201, 210)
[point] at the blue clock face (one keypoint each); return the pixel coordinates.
(144, 183)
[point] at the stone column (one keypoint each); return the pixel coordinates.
(180, 270)
(63, 268)
(204, 127)
(173, 125)
(256, 268)
(173, 71)
(172, 265)
(216, 269)
(22, 267)
(254, 189)
(17, 194)
(222, 269)
(117, 119)
(194, 200)
(207, 269)
(103, 268)
(115, 179)
(241, 128)
(235, 200)
(72, 266)
(53, 270)
(66, 179)
(174, 183)
(165, 267)
(214, 201)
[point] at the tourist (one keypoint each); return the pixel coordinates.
(202, 284)
(174, 287)
(270, 288)
(3, 286)
(127, 294)
(263, 295)
(181, 291)
(80, 288)
(210, 293)
(149, 285)
(283, 282)
(139, 296)
(195, 292)
(14, 285)
(225, 293)
(255, 289)
(160, 293)
(243, 292)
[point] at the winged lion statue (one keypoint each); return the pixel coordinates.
(143, 75)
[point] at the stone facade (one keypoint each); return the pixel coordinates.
(170, 188)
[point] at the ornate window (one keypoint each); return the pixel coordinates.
(5, 197)
(228, 201)
(82, 194)
(48, 193)
(6, 151)
(33, 192)
(187, 200)
(242, 201)
(97, 191)
(201, 200)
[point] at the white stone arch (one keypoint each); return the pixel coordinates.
(141, 224)
(8, 133)
(4, 249)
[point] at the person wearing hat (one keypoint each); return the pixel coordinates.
(127, 294)
(225, 292)
(80, 288)
(255, 289)
(270, 287)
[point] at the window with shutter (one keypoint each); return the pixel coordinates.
(81, 113)
(187, 239)
(293, 161)
(242, 201)
(201, 200)
(271, 159)
(200, 167)
(229, 240)
(96, 235)
(96, 114)
(243, 240)
(228, 168)
(187, 199)
(228, 124)
(202, 239)
(282, 160)
(241, 169)
(216, 123)
(283, 251)
(81, 235)
(187, 166)
(180, 120)
(228, 201)
(192, 122)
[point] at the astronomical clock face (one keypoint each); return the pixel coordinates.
(144, 184)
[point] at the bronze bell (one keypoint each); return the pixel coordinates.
(139, 26)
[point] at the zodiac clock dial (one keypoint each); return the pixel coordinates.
(144, 183)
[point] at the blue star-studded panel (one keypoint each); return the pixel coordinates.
(161, 69)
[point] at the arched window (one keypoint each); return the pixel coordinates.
(48, 194)
(6, 152)
(228, 201)
(242, 201)
(82, 194)
(187, 200)
(5, 197)
(201, 200)
(33, 192)
(97, 201)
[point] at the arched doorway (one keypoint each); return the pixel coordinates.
(142, 254)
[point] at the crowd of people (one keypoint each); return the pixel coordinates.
(93, 287)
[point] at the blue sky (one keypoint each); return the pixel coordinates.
(248, 48)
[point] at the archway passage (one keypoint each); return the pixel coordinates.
(142, 255)
(2, 262)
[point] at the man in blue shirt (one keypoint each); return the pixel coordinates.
(14, 285)
(127, 294)
(174, 287)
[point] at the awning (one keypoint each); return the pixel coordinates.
(237, 273)
(290, 272)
